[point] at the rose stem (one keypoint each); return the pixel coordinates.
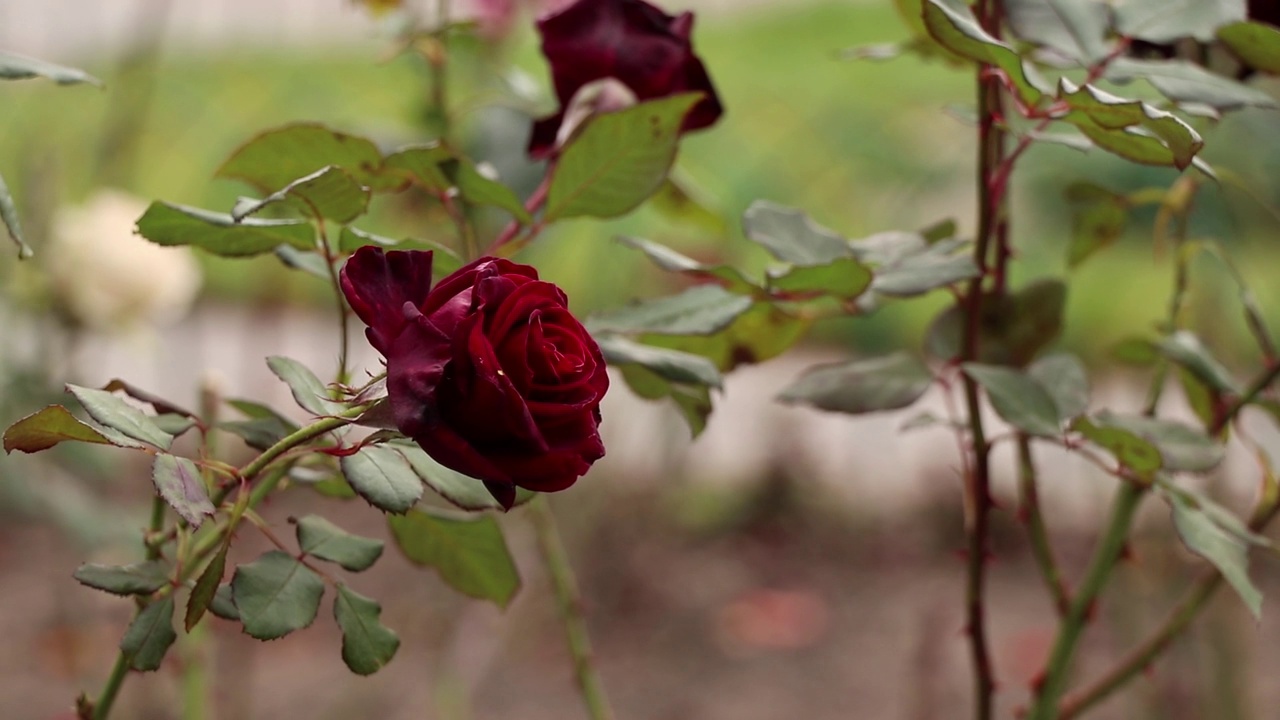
(571, 612)
(1032, 515)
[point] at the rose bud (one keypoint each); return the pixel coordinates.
(488, 371)
(631, 41)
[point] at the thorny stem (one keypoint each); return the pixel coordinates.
(570, 603)
(1041, 548)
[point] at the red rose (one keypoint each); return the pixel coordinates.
(488, 371)
(630, 41)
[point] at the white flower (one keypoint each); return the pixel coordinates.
(109, 278)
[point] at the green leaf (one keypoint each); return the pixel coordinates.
(1017, 398)
(310, 394)
(468, 552)
(1097, 223)
(844, 278)
(672, 261)
(9, 215)
(1163, 21)
(762, 332)
(481, 190)
(1256, 44)
(917, 273)
(137, 579)
(52, 425)
(329, 193)
(699, 310)
(149, 636)
(1130, 449)
(791, 235)
(1227, 552)
(275, 595)
(861, 386)
(1181, 447)
(367, 644)
(1063, 376)
(421, 164)
(952, 24)
(383, 477)
(679, 202)
(169, 224)
(677, 367)
(1076, 29)
(1113, 122)
(223, 605)
(461, 490)
(179, 483)
(206, 587)
(276, 157)
(1185, 82)
(1014, 328)
(17, 67)
(322, 539)
(1184, 348)
(173, 423)
(110, 410)
(618, 160)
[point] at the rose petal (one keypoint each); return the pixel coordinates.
(377, 284)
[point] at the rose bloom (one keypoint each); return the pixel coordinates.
(630, 41)
(488, 371)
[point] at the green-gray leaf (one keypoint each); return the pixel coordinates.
(17, 67)
(861, 386)
(918, 273)
(1256, 44)
(1077, 29)
(1163, 21)
(276, 157)
(9, 215)
(700, 310)
(1063, 376)
(310, 394)
(672, 261)
(137, 579)
(329, 193)
(383, 477)
(421, 164)
(844, 278)
(481, 190)
(320, 538)
(149, 636)
(469, 552)
(367, 644)
(1185, 349)
(1130, 449)
(1186, 82)
(178, 481)
(1181, 447)
(953, 25)
(275, 595)
(791, 235)
(169, 224)
(43, 429)
(618, 159)
(1017, 398)
(206, 587)
(672, 365)
(223, 604)
(463, 491)
(1228, 553)
(110, 410)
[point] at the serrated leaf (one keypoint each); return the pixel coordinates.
(170, 224)
(764, 331)
(275, 595)
(329, 193)
(953, 25)
(1063, 376)
(43, 429)
(320, 538)
(1112, 121)
(915, 274)
(1181, 447)
(310, 394)
(481, 190)
(223, 605)
(110, 411)
(618, 159)
(137, 579)
(1228, 553)
(677, 367)
(1075, 29)
(1017, 398)
(792, 236)
(367, 644)
(1163, 21)
(699, 310)
(12, 224)
(420, 164)
(1256, 44)
(383, 477)
(274, 158)
(1129, 449)
(861, 386)
(206, 587)
(17, 67)
(1184, 348)
(461, 490)
(149, 636)
(672, 261)
(844, 278)
(468, 552)
(1185, 82)
(178, 481)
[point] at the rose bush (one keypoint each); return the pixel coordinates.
(631, 41)
(488, 371)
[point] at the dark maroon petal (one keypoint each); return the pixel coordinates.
(377, 285)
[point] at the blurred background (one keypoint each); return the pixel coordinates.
(786, 565)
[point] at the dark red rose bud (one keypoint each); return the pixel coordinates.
(629, 40)
(488, 371)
